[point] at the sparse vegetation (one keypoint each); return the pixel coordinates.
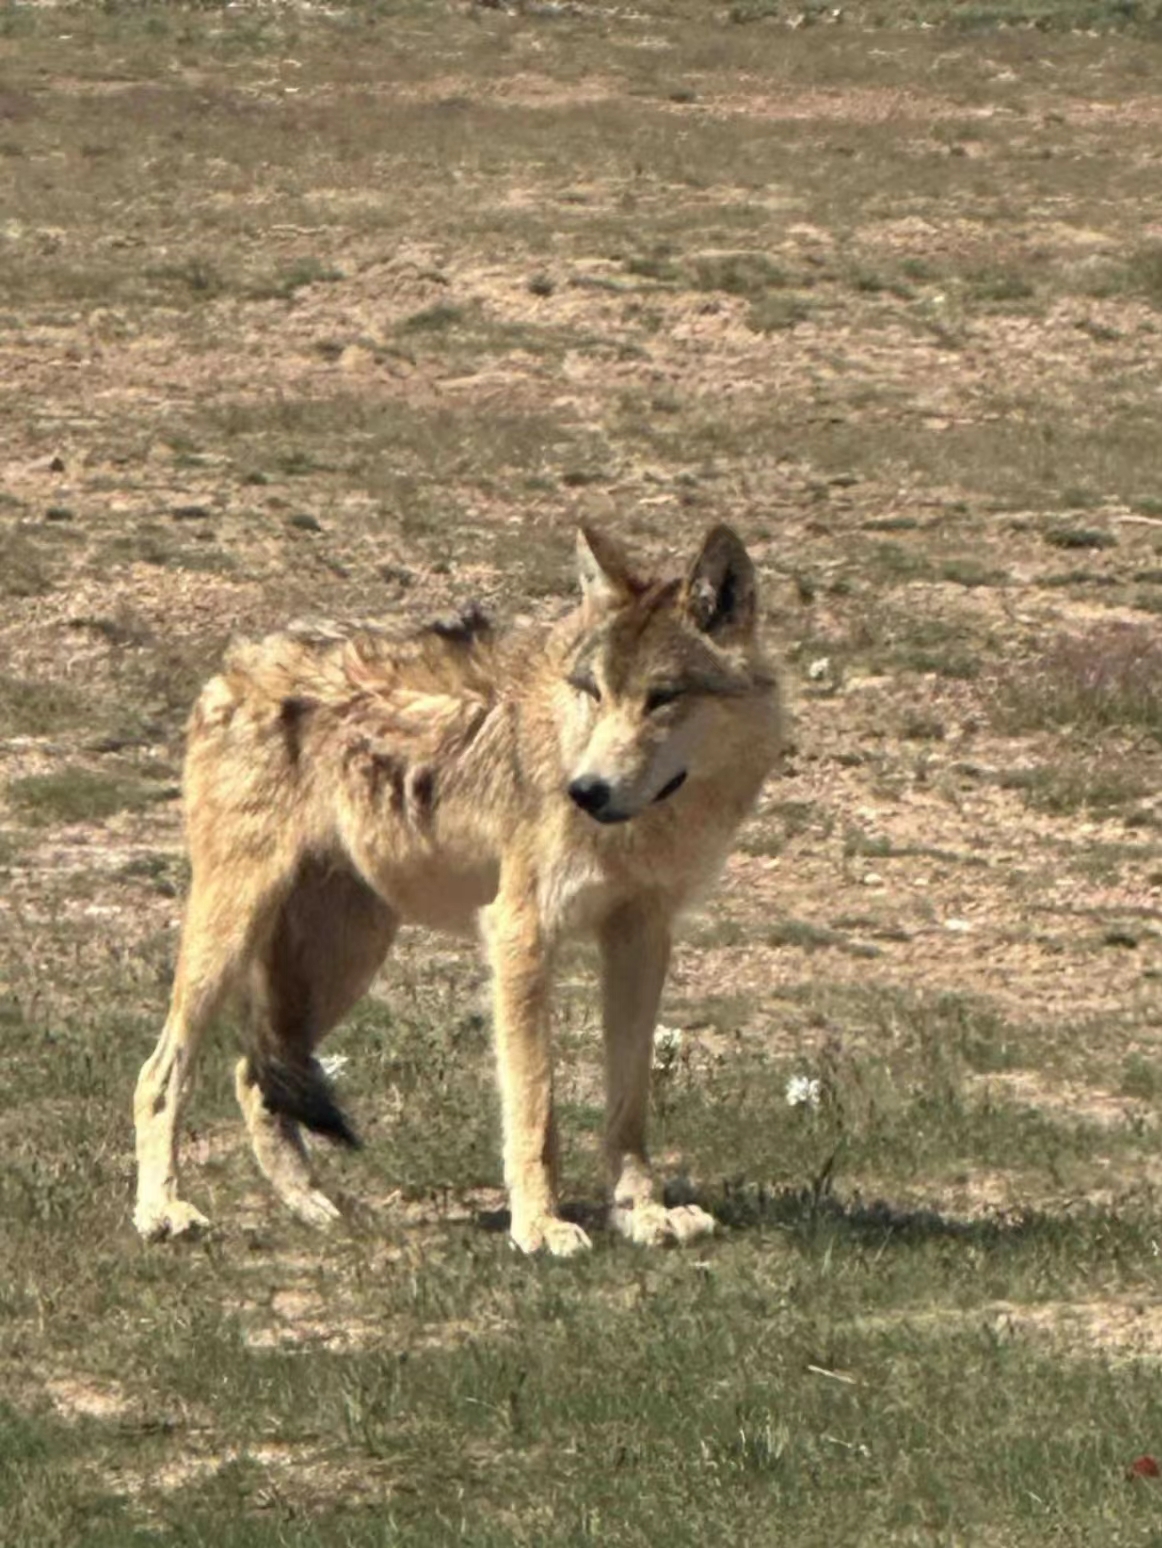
(773, 313)
(78, 794)
(32, 708)
(357, 309)
(1103, 679)
(1103, 786)
(1080, 537)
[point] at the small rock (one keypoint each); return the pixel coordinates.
(356, 358)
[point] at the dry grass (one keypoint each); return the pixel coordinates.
(359, 310)
(1108, 678)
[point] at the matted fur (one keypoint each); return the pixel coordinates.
(582, 779)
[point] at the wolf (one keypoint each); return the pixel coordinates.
(584, 778)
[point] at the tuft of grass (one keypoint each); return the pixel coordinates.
(1143, 272)
(777, 313)
(438, 318)
(284, 282)
(1107, 677)
(803, 934)
(923, 726)
(895, 563)
(40, 706)
(26, 571)
(969, 572)
(1080, 538)
(658, 262)
(1141, 1078)
(1104, 786)
(195, 276)
(932, 646)
(738, 274)
(79, 794)
(1000, 285)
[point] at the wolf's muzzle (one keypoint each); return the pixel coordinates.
(595, 797)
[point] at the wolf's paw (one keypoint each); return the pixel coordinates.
(559, 1238)
(313, 1208)
(170, 1217)
(653, 1225)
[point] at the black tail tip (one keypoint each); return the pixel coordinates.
(303, 1092)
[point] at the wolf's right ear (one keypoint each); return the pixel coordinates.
(603, 569)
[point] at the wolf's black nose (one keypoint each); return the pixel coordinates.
(591, 794)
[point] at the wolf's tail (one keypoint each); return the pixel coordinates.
(302, 1091)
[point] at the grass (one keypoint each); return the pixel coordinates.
(822, 1421)
(29, 707)
(79, 794)
(1103, 679)
(358, 310)
(1080, 538)
(1102, 786)
(817, 1338)
(808, 1350)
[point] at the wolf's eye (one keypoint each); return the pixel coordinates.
(658, 698)
(587, 686)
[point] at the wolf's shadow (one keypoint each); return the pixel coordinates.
(803, 1214)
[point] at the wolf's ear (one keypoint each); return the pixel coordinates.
(603, 568)
(719, 590)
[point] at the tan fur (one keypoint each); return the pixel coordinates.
(340, 783)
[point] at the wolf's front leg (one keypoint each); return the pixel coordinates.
(521, 964)
(635, 953)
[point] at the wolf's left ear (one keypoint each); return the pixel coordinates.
(719, 590)
(603, 569)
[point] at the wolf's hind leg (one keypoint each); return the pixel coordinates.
(635, 952)
(216, 936)
(330, 937)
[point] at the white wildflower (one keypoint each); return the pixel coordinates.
(819, 670)
(667, 1046)
(333, 1065)
(802, 1091)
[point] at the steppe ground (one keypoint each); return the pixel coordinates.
(358, 309)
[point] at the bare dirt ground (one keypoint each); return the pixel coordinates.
(299, 315)
(1002, 901)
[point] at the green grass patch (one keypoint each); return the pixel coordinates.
(79, 794)
(39, 707)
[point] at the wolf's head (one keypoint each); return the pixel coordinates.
(665, 677)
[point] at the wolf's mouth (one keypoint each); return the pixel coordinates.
(592, 796)
(668, 790)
